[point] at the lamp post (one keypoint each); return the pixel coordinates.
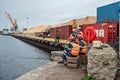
(27, 21)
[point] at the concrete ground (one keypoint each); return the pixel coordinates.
(54, 71)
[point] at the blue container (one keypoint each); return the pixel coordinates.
(109, 13)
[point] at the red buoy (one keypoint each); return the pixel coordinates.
(89, 34)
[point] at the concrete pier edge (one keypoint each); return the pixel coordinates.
(53, 71)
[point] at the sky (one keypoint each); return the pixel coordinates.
(30, 13)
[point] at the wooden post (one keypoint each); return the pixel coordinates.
(88, 46)
(88, 37)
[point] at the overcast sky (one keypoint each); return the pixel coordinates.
(48, 12)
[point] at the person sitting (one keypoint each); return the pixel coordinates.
(79, 32)
(71, 51)
(82, 44)
(74, 33)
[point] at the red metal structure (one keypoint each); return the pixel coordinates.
(105, 32)
(63, 31)
(8, 15)
(14, 24)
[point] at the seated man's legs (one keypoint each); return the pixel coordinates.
(66, 53)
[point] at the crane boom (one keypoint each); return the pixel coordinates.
(14, 24)
(8, 15)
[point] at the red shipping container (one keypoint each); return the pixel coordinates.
(63, 31)
(52, 32)
(105, 32)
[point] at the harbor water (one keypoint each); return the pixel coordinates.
(18, 58)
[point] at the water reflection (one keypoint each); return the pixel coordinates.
(17, 58)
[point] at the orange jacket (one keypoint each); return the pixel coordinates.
(76, 49)
(84, 50)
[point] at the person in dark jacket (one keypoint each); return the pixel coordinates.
(57, 38)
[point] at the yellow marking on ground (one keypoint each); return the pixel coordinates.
(47, 39)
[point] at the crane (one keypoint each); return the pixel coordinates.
(14, 24)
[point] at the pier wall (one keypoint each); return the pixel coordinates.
(41, 43)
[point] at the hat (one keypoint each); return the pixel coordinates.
(71, 38)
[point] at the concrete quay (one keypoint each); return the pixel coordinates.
(53, 71)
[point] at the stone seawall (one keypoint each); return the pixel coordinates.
(102, 63)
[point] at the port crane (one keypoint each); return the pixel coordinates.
(14, 24)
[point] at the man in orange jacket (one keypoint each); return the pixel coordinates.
(71, 51)
(82, 44)
(74, 48)
(67, 51)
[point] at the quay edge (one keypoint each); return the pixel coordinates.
(47, 44)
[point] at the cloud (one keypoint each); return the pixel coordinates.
(47, 11)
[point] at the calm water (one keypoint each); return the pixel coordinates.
(17, 58)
